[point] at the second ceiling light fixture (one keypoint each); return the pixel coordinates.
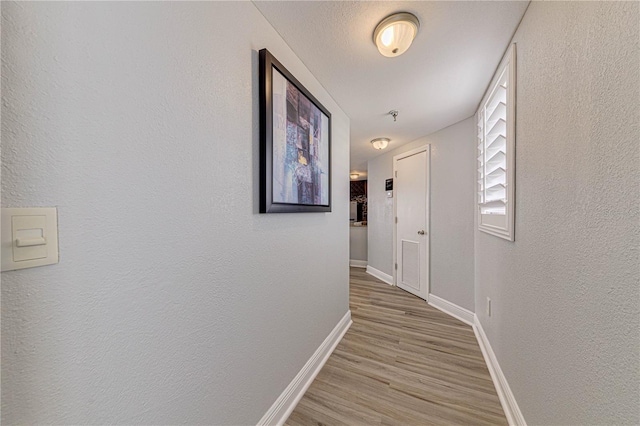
(380, 143)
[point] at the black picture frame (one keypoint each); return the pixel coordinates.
(302, 161)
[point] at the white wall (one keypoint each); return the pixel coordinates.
(174, 301)
(452, 211)
(379, 215)
(565, 295)
(358, 243)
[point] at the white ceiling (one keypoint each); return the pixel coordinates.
(439, 81)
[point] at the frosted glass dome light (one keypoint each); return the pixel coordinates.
(380, 143)
(395, 33)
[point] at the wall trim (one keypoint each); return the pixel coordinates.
(507, 399)
(358, 263)
(287, 401)
(380, 275)
(452, 309)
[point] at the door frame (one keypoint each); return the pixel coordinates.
(426, 262)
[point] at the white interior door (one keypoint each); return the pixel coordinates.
(412, 233)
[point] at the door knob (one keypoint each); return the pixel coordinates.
(421, 232)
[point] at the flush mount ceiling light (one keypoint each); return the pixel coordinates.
(395, 33)
(354, 176)
(380, 143)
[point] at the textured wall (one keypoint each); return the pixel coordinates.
(453, 159)
(358, 243)
(565, 295)
(379, 215)
(174, 301)
(452, 210)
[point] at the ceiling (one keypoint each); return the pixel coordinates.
(439, 81)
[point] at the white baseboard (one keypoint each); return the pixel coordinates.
(287, 401)
(358, 263)
(380, 275)
(452, 309)
(508, 401)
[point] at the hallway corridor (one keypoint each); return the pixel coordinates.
(402, 362)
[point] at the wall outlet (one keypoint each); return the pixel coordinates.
(488, 307)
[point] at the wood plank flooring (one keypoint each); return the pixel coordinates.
(402, 362)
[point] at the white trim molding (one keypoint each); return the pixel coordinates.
(357, 263)
(507, 399)
(380, 275)
(287, 401)
(452, 309)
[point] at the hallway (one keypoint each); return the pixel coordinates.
(401, 362)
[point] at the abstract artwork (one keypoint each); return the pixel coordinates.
(295, 144)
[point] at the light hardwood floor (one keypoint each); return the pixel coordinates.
(402, 362)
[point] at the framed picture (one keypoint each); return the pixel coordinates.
(295, 144)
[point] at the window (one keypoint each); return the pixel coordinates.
(496, 151)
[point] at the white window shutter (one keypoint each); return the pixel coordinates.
(496, 152)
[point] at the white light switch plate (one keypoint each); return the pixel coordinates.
(29, 237)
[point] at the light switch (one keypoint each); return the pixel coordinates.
(29, 237)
